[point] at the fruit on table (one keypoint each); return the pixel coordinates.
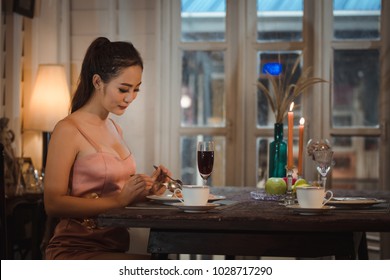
(275, 185)
(299, 183)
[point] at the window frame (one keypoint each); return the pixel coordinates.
(230, 84)
(241, 90)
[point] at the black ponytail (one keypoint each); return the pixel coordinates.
(107, 59)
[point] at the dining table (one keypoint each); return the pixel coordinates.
(245, 224)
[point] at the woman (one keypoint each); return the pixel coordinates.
(89, 168)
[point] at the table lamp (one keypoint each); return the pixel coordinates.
(49, 103)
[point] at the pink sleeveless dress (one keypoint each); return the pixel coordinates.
(96, 175)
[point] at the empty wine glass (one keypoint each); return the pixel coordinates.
(205, 159)
(324, 161)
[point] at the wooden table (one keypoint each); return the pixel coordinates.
(251, 227)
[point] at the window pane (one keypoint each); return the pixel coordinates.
(356, 88)
(356, 162)
(203, 90)
(189, 165)
(262, 161)
(279, 20)
(356, 19)
(280, 66)
(203, 20)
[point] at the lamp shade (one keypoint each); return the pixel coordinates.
(50, 98)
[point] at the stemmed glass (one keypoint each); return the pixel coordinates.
(205, 151)
(324, 161)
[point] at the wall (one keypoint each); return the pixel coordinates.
(44, 43)
(12, 32)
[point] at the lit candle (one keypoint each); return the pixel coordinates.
(300, 152)
(290, 156)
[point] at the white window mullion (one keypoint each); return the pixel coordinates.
(251, 90)
(318, 56)
(174, 94)
(235, 94)
(385, 98)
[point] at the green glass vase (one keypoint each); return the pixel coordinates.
(277, 153)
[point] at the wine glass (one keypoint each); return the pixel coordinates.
(324, 161)
(205, 159)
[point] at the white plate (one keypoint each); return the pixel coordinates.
(354, 202)
(195, 209)
(169, 198)
(310, 211)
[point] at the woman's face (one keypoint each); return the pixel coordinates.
(122, 90)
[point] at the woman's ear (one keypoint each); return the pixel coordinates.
(97, 82)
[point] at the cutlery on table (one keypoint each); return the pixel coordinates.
(174, 184)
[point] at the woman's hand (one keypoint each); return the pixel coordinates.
(160, 176)
(139, 185)
(158, 189)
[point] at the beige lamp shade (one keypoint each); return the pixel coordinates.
(50, 98)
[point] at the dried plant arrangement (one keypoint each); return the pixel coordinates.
(282, 91)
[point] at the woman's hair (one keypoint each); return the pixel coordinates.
(106, 59)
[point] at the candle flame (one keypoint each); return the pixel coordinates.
(302, 121)
(291, 106)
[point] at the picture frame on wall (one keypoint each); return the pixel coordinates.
(25, 163)
(24, 7)
(29, 176)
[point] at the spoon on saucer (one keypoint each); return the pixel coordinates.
(174, 184)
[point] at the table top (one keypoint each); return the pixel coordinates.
(243, 213)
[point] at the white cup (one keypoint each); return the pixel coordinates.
(313, 197)
(193, 195)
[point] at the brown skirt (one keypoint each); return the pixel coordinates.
(72, 239)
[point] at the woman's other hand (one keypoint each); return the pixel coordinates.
(160, 177)
(139, 185)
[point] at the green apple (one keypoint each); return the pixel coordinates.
(300, 183)
(275, 185)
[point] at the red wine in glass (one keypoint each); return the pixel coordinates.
(205, 159)
(205, 163)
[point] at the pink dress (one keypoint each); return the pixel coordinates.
(96, 175)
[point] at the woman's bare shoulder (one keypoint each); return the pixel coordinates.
(65, 126)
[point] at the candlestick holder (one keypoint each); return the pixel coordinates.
(289, 199)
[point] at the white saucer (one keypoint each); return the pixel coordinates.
(169, 198)
(195, 209)
(310, 211)
(354, 202)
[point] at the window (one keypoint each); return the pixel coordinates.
(203, 90)
(220, 48)
(279, 20)
(356, 93)
(203, 20)
(356, 19)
